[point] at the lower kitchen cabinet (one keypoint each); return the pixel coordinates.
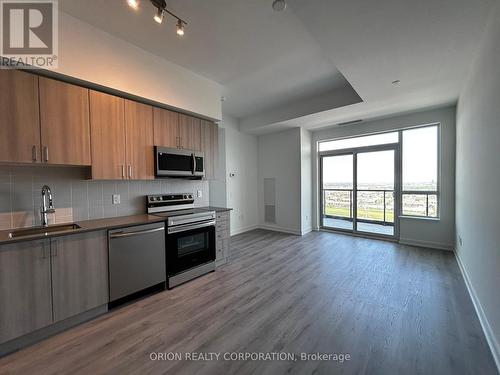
(79, 273)
(25, 288)
(222, 237)
(45, 281)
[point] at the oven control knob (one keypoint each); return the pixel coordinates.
(158, 198)
(190, 196)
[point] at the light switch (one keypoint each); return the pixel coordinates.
(200, 194)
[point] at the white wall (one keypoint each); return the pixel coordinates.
(306, 162)
(424, 232)
(478, 181)
(279, 158)
(239, 153)
(90, 54)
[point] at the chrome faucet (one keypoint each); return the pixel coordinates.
(44, 210)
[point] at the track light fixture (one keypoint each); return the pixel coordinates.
(158, 17)
(180, 28)
(161, 9)
(134, 4)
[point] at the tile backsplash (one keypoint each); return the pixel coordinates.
(76, 198)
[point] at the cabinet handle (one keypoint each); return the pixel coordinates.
(55, 248)
(44, 251)
(46, 153)
(33, 153)
(129, 171)
(123, 171)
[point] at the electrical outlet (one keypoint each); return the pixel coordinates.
(116, 198)
(200, 193)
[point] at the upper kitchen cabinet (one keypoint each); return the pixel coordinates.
(64, 120)
(139, 140)
(107, 124)
(166, 128)
(190, 132)
(20, 125)
(210, 147)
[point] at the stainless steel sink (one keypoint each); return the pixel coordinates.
(43, 230)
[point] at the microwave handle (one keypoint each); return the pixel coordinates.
(194, 162)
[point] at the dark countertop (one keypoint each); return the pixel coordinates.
(216, 209)
(86, 226)
(97, 224)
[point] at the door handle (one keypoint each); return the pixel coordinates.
(46, 153)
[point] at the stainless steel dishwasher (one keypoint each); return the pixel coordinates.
(136, 259)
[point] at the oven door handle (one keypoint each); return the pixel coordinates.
(186, 227)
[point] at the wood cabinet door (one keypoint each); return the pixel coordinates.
(25, 292)
(139, 140)
(166, 128)
(210, 147)
(20, 124)
(107, 124)
(79, 273)
(190, 132)
(65, 126)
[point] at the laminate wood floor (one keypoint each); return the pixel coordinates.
(394, 309)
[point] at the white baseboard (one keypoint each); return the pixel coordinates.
(483, 320)
(237, 231)
(429, 244)
(305, 231)
(280, 229)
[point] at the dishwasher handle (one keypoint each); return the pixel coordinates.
(129, 234)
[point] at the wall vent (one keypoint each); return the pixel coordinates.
(270, 200)
(349, 122)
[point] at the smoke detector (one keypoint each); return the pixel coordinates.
(279, 5)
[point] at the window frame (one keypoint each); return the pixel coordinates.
(401, 192)
(437, 192)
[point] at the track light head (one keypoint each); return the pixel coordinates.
(158, 17)
(134, 4)
(180, 28)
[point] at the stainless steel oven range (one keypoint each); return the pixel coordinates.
(190, 236)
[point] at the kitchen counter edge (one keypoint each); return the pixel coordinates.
(85, 226)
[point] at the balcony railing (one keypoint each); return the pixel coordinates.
(377, 205)
(374, 206)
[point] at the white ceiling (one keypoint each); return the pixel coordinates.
(278, 68)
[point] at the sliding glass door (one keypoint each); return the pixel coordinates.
(375, 184)
(337, 191)
(358, 190)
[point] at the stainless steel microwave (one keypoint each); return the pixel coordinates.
(174, 162)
